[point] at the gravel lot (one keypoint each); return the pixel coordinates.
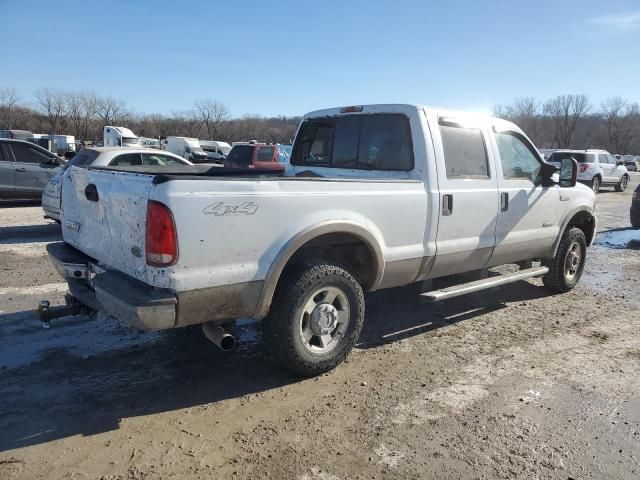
(500, 384)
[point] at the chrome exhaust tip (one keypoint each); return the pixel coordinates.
(219, 336)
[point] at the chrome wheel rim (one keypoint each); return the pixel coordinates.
(623, 184)
(596, 184)
(572, 261)
(324, 319)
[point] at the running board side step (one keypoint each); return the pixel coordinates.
(464, 288)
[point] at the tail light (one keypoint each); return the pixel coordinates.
(584, 167)
(161, 246)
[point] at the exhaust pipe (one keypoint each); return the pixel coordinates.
(218, 335)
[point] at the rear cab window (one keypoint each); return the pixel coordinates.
(365, 142)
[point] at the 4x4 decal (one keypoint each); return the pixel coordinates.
(221, 209)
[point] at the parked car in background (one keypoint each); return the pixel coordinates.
(597, 168)
(25, 169)
(216, 151)
(374, 197)
(103, 157)
(187, 148)
(255, 155)
(634, 213)
(16, 134)
(632, 165)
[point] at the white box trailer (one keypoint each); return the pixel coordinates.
(58, 144)
(119, 137)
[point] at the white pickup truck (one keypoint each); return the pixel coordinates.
(374, 197)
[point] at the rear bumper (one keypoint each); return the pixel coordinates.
(129, 300)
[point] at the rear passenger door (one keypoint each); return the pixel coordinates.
(7, 175)
(529, 217)
(607, 165)
(468, 197)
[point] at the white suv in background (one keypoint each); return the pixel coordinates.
(597, 168)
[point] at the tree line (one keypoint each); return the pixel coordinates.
(83, 114)
(565, 121)
(572, 121)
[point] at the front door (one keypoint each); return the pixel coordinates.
(34, 168)
(529, 217)
(468, 198)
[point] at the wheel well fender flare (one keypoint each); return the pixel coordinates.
(591, 234)
(305, 236)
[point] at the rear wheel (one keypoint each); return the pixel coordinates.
(622, 186)
(315, 319)
(565, 269)
(595, 184)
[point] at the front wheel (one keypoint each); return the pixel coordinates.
(565, 269)
(622, 186)
(595, 184)
(315, 319)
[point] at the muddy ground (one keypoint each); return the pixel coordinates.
(501, 384)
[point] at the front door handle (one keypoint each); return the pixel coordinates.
(504, 201)
(21, 170)
(447, 205)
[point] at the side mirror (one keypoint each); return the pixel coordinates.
(568, 172)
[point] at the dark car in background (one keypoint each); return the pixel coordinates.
(634, 213)
(25, 169)
(256, 155)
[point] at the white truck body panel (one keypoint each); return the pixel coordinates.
(233, 232)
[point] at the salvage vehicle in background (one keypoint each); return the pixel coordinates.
(187, 148)
(258, 156)
(101, 157)
(25, 169)
(598, 168)
(634, 212)
(216, 151)
(374, 197)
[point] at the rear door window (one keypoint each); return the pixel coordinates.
(126, 159)
(265, 154)
(367, 142)
(240, 155)
(465, 154)
(159, 159)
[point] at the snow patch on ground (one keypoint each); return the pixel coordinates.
(619, 238)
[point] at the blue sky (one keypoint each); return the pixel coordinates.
(290, 57)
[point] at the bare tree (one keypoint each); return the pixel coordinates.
(9, 111)
(622, 121)
(191, 122)
(565, 112)
(526, 113)
(212, 113)
(51, 103)
(111, 111)
(80, 110)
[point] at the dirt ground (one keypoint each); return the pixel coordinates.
(511, 383)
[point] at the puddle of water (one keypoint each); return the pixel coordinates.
(25, 341)
(619, 239)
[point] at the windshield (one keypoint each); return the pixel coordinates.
(580, 157)
(241, 154)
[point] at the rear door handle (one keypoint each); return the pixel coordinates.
(504, 201)
(447, 205)
(21, 170)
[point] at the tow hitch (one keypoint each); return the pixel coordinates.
(46, 312)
